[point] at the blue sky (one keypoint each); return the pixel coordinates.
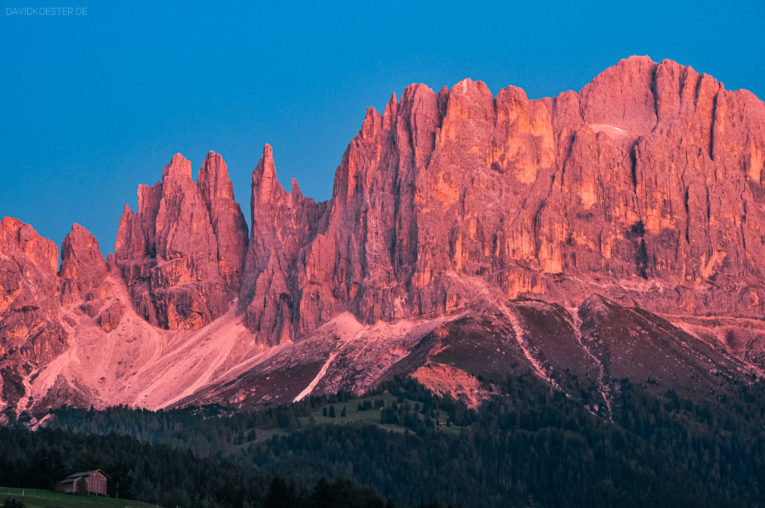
(94, 105)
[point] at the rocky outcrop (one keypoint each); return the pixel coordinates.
(83, 267)
(110, 316)
(283, 223)
(180, 252)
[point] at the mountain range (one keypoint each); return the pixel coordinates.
(617, 232)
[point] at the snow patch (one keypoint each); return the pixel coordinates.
(612, 131)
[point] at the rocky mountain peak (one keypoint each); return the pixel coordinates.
(83, 267)
(265, 184)
(18, 236)
(168, 251)
(213, 180)
(178, 169)
(226, 218)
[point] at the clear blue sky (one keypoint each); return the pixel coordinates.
(93, 105)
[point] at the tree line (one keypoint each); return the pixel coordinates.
(528, 446)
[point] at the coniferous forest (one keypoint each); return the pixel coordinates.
(404, 446)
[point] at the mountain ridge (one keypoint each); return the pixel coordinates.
(647, 187)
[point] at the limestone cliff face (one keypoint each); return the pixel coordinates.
(181, 252)
(226, 219)
(647, 185)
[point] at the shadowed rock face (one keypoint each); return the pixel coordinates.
(645, 189)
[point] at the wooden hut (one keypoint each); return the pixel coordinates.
(90, 482)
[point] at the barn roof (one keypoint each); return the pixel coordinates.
(79, 475)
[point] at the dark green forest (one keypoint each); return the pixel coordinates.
(404, 446)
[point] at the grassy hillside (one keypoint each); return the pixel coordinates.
(369, 410)
(35, 498)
